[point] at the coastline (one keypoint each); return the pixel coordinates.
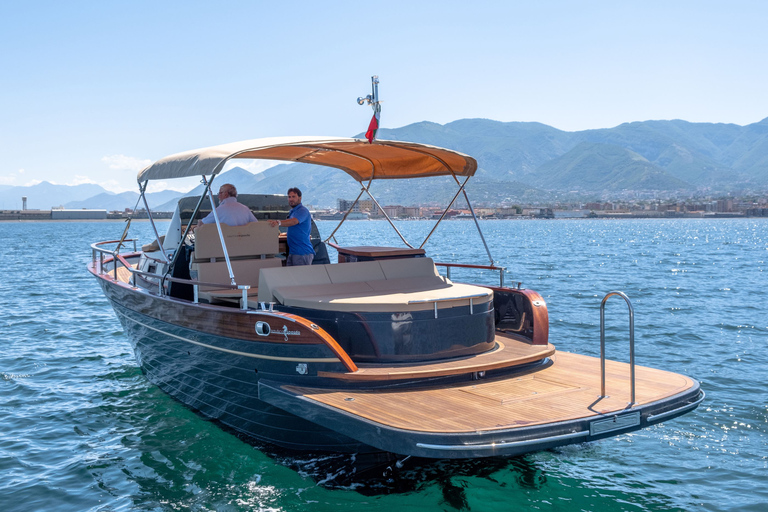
(521, 217)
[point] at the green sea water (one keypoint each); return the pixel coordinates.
(82, 429)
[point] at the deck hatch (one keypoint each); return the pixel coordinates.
(616, 422)
(525, 388)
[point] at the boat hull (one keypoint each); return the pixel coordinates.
(294, 389)
(218, 374)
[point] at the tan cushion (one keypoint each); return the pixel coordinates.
(253, 239)
(408, 267)
(229, 296)
(416, 294)
(245, 271)
(355, 272)
(304, 275)
(409, 284)
(321, 290)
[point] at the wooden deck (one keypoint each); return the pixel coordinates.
(123, 274)
(509, 352)
(567, 390)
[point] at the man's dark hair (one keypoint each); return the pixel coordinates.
(294, 190)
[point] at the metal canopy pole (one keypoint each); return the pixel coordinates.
(385, 214)
(471, 209)
(487, 251)
(186, 231)
(444, 212)
(221, 236)
(152, 221)
(345, 215)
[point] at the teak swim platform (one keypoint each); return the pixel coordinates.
(380, 351)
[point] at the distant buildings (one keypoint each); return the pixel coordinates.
(82, 214)
(636, 208)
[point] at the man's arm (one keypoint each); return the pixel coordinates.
(284, 223)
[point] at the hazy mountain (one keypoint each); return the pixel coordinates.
(534, 162)
(518, 162)
(506, 151)
(604, 167)
(243, 180)
(45, 195)
(237, 176)
(748, 154)
(110, 201)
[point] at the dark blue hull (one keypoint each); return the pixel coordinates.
(219, 377)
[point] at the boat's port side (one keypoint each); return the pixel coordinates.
(219, 375)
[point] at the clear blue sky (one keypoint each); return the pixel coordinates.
(91, 91)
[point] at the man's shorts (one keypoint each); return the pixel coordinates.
(299, 259)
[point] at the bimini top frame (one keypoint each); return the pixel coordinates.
(362, 160)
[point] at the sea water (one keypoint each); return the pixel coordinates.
(82, 429)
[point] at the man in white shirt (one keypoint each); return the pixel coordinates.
(230, 212)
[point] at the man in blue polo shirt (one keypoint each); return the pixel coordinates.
(299, 224)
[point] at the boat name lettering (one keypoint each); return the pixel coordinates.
(287, 333)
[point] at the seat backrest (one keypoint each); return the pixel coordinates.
(245, 271)
(253, 239)
(397, 268)
(374, 273)
(272, 278)
(355, 272)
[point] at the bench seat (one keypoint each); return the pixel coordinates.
(250, 248)
(411, 284)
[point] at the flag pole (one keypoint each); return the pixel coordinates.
(373, 100)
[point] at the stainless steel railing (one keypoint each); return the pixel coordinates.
(631, 343)
(118, 260)
(449, 266)
(97, 249)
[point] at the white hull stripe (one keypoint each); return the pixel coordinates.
(246, 354)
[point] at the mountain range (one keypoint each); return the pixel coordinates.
(518, 162)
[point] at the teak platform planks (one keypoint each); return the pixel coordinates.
(124, 275)
(509, 352)
(567, 390)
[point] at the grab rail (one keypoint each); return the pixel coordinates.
(449, 266)
(116, 257)
(115, 254)
(447, 299)
(631, 343)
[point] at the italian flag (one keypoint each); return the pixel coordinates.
(373, 127)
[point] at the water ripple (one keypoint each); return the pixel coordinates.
(84, 430)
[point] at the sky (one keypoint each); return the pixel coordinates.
(91, 92)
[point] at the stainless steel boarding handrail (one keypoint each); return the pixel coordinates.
(631, 343)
